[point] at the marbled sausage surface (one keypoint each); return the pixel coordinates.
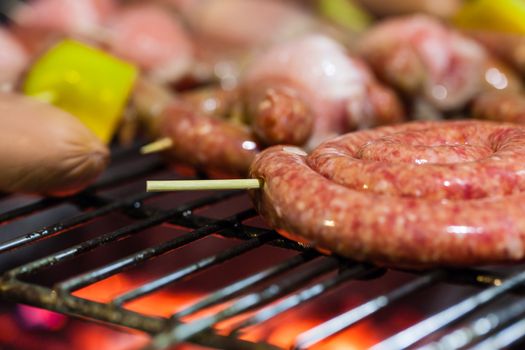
(424, 193)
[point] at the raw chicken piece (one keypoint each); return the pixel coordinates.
(313, 77)
(423, 58)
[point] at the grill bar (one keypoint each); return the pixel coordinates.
(67, 225)
(351, 317)
(28, 209)
(479, 328)
(246, 283)
(292, 282)
(183, 332)
(303, 296)
(70, 305)
(122, 233)
(143, 255)
(507, 337)
(194, 268)
(412, 335)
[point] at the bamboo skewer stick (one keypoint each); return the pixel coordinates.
(194, 185)
(157, 146)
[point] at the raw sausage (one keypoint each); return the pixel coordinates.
(416, 194)
(207, 142)
(500, 106)
(323, 87)
(44, 150)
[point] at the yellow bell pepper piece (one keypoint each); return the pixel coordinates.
(501, 15)
(88, 83)
(345, 13)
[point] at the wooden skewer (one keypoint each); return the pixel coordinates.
(194, 185)
(157, 146)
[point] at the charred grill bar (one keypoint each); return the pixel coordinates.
(267, 292)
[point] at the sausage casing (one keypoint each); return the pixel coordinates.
(356, 195)
(45, 150)
(207, 142)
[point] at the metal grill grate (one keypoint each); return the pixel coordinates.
(260, 296)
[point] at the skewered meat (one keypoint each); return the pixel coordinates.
(422, 193)
(200, 127)
(422, 57)
(13, 60)
(204, 141)
(44, 150)
(309, 89)
(302, 91)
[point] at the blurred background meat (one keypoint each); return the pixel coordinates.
(13, 60)
(327, 84)
(152, 38)
(424, 58)
(443, 8)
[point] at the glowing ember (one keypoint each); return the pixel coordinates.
(33, 317)
(281, 332)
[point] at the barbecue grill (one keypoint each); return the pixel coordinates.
(490, 316)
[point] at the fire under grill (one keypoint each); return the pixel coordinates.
(43, 267)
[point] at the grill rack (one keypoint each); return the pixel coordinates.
(499, 328)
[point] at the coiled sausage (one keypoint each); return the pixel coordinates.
(422, 193)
